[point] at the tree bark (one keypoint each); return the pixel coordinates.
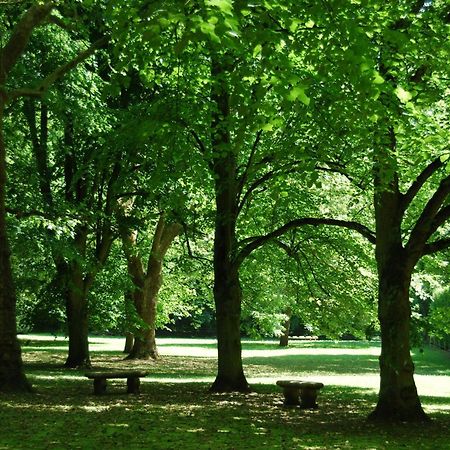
(145, 300)
(77, 308)
(147, 283)
(397, 399)
(129, 342)
(12, 376)
(284, 338)
(228, 297)
(227, 288)
(77, 322)
(129, 336)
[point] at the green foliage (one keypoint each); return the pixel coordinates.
(440, 313)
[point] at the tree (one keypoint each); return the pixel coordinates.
(147, 281)
(10, 53)
(254, 91)
(12, 376)
(408, 220)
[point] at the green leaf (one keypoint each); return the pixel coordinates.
(257, 50)
(403, 95)
(267, 127)
(226, 6)
(298, 92)
(377, 78)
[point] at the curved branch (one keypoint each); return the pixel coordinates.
(16, 44)
(258, 241)
(59, 73)
(421, 179)
(436, 246)
(431, 215)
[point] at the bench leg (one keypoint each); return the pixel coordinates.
(99, 386)
(308, 398)
(291, 396)
(133, 384)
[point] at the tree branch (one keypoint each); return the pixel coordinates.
(267, 176)
(425, 224)
(256, 242)
(244, 176)
(59, 73)
(436, 246)
(16, 44)
(334, 168)
(418, 183)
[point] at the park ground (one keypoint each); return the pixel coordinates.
(176, 411)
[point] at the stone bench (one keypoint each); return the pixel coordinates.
(133, 381)
(303, 393)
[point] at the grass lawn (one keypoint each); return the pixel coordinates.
(176, 411)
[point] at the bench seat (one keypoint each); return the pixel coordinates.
(302, 393)
(132, 376)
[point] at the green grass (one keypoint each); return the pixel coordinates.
(176, 411)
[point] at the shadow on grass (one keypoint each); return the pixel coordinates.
(65, 414)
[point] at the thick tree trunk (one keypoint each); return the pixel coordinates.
(398, 399)
(227, 289)
(129, 342)
(144, 346)
(129, 336)
(228, 297)
(147, 283)
(77, 319)
(284, 338)
(12, 376)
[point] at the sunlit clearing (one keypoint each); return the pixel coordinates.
(434, 408)
(95, 408)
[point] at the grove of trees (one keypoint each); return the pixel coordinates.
(242, 161)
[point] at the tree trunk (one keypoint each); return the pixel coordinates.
(12, 376)
(129, 342)
(77, 319)
(227, 288)
(144, 346)
(284, 338)
(398, 399)
(129, 336)
(147, 283)
(228, 297)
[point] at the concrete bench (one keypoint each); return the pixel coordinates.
(303, 393)
(133, 381)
